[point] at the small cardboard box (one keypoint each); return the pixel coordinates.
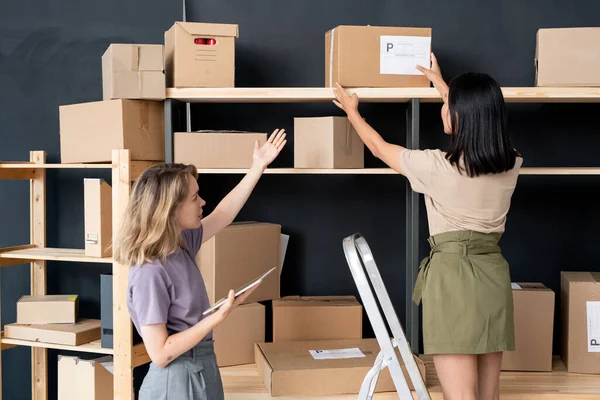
(327, 142)
(580, 321)
(239, 254)
(200, 55)
(568, 57)
(297, 319)
(290, 369)
(534, 328)
(133, 71)
(377, 56)
(97, 202)
(51, 309)
(216, 149)
(89, 132)
(85, 379)
(235, 337)
(81, 332)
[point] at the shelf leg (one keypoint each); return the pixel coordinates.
(39, 356)
(123, 340)
(412, 231)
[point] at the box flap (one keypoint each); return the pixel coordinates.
(589, 277)
(204, 29)
(288, 356)
(532, 286)
(83, 325)
(48, 298)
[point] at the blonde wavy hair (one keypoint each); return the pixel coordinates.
(149, 228)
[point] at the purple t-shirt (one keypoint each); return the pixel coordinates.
(173, 294)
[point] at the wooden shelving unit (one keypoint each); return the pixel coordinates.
(389, 171)
(177, 119)
(126, 356)
(372, 95)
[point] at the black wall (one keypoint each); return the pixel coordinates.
(50, 55)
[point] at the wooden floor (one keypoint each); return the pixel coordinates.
(243, 382)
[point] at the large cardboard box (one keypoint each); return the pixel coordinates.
(216, 149)
(239, 254)
(97, 200)
(235, 337)
(50, 309)
(83, 331)
(290, 368)
(568, 57)
(89, 132)
(200, 55)
(298, 318)
(377, 56)
(580, 321)
(327, 142)
(534, 328)
(133, 71)
(80, 379)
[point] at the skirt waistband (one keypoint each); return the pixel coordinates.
(201, 350)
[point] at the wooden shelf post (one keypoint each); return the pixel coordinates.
(123, 339)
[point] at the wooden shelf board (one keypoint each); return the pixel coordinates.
(92, 347)
(374, 95)
(51, 254)
(389, 171)
(302, 171)
(561, 171)
(19, 165)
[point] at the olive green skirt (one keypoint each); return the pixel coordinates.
(465, 288)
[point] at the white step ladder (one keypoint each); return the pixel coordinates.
(359, 257)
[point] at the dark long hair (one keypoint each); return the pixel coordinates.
(478, 118)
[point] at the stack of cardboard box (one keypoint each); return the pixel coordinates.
(52, 319)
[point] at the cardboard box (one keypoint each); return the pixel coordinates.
(97, 201)
(534, 328)
(133, 71)
(85, 379)
(89, 132)
(290, 369)
(239, 254)
(376, 56)
(327, 142)
(81, 332)
(216, 149)
(568, 57)
(51, 309)
(580, 321)
(235, 337)
(200, 55)
(106, 314)
(298, 318)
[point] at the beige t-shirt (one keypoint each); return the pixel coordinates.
(454, 201)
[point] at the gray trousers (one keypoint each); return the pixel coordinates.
(192, 376)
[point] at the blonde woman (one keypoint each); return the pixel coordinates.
(161, 232)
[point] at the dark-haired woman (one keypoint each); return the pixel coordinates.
(465, 283)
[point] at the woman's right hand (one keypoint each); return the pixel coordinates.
(434, 74)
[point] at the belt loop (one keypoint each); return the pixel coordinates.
(465, 249)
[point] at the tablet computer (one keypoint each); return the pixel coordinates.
(240, 291)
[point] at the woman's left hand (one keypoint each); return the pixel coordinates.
(344, 101)
(265, 154)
